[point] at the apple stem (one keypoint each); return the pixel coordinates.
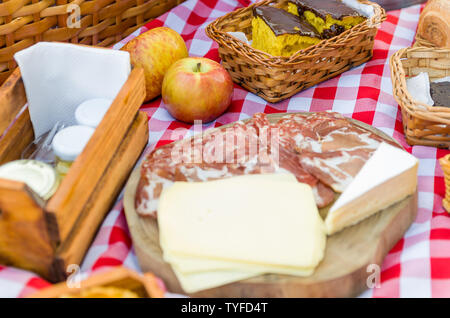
(198, 67)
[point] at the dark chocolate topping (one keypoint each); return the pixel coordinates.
(332, 31)
(283, 22)
(321, 8)
(440, 93)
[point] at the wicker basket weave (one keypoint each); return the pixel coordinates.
(423, 124)
(278, 78)
(102, 23)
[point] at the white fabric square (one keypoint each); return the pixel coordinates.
(426, 167)
(199, 47)
(420, 250)
(412, 287)
(174, 22)
(344, 106)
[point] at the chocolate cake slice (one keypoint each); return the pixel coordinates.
(281, 33)
(330, 17)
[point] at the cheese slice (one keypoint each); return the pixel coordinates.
(186, 265)
(389, 176)
(245, 225)
(191, 265)
(195, 282)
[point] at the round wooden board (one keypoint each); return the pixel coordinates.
(344, 271)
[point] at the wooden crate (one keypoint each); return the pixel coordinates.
(146, 286)
(46, 237)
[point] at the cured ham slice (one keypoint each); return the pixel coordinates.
(329, 146)
(324, 150)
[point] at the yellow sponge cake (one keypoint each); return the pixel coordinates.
(281, 33)
(330, 17)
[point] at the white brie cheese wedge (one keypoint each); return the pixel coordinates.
(389, 176)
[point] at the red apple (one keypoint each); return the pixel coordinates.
(155, 51)
(197, 88)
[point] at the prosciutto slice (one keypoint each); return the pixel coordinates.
(324, 150)
(330, 146)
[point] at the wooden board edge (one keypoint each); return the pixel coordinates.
(135, 226)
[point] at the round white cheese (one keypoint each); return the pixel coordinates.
(39, 176)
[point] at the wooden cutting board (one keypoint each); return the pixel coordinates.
(343, 272)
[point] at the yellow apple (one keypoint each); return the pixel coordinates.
(197, 88)
(155, 51)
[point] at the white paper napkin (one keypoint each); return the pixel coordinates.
(60, 76)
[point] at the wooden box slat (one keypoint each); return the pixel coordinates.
(13, 99)
(16, 138)
(24, 239)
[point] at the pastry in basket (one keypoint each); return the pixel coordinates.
(103, 292)
(281, 33)
(330, 17)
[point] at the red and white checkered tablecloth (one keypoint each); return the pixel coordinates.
(418, 266)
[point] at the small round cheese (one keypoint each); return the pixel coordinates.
(69, 142)
(39, 176)
(91, 112)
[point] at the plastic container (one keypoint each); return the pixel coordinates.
(68, 143)
(90, 113)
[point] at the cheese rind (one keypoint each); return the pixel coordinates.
(389, 176)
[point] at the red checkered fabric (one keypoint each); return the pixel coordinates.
(418, 266)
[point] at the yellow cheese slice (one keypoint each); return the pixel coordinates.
(195, 282)
(252, 219)
(192, 265)
(389, 176)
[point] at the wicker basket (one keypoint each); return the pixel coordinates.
(423, 124)
(278, 78)
(102, 23)
(445, 165)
